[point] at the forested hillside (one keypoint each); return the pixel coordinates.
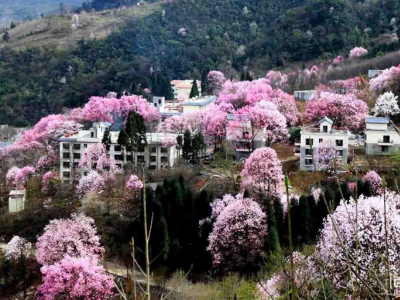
(184, 38)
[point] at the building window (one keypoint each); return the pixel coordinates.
(339, 153)
(85, 173)
(129, 148)
(129, 158)
(65, 155)
(153, 158)
(321, 140)
(308, 162)
(153, 149)
(92, 134)
(66, 146)
(66, 174)
(77, 146)
(159, 101)
(325, 128)
(77, 156)
(385, 149)
(140, 158)
(339, 143)
(118, 157)
(76, 165)
(140, 149)
(119, 166)
(309, 142)
(309, 151)
(84, 145)
(152, 167)
(66, 164)
(386, 138)
(164, 150)
(164, 159)
(155, 104)
(117, 148)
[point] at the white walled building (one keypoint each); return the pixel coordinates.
(313, 136)
(154, 156)
(16, 201)
(303, 95)
(380, 137)
(196, 104)
(182, 88)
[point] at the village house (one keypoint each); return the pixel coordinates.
(381, 138)
(153, 156)
(313, 136)
(303, 95)
(182, 88)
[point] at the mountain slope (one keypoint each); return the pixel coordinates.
(30, 9)
(180, 39)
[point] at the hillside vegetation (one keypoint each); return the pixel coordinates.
(180, 39)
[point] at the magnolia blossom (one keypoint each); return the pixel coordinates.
(352, 186)
(169, 141)
(114, 110)
(375, 180)
(388, 79)
(386, 105)
(46, 179)
(76, 237)
(75, 278)
(357, 52)
(18, 247)
(279, 284)
(92, 182)
(215, 81)
(11, 174)
(276, 79)
(23, 174)
(238, 235)
(369, 257)
(345, 110)
(316, 194)
(179, 124)
(328, 160)
(132, 186)
(338, 59)
(263, 171)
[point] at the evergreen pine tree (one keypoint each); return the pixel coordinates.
(194, 92)
(136, 131)
(197, 148)
(279, 219)
(106, 141)
(187, 145)
(168, 92)
(272, 244)
(306, 221)
(179, 141)
(122, 138)
(6, 36)
(204, 82)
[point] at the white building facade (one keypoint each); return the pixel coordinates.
(380, 137)
(313, 136)
(154, 156)
(182, 88)
(197, 104)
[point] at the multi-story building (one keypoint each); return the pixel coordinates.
(198, 103)
(303, 95)
(182, 88)
(154, 156)
(313, 136)
(381, 138)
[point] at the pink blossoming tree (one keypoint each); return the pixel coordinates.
(132, 186)
(263, 172)
(93, 182)
(76, 237)
(75, 278)
(387, 80)
(215, 81)
(328, 160)
(345, 110)
(238, 234)
(375, 180)
(357, 52)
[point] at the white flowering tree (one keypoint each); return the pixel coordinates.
(386, 105)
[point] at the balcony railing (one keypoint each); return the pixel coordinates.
(385, 142)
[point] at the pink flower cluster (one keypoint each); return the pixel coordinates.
(263, 172)
(345, 110)
(338, 60)
(132, 186)
(387, 80)
(215, 81)
(375, 180)
(352, 186)
(75, 278)
(238, 234)
(327, 160)
(100, 109)
(276, 79)
(17, 247)
(76, 237)
(357, 52)
(92, 182)
(46, 179)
